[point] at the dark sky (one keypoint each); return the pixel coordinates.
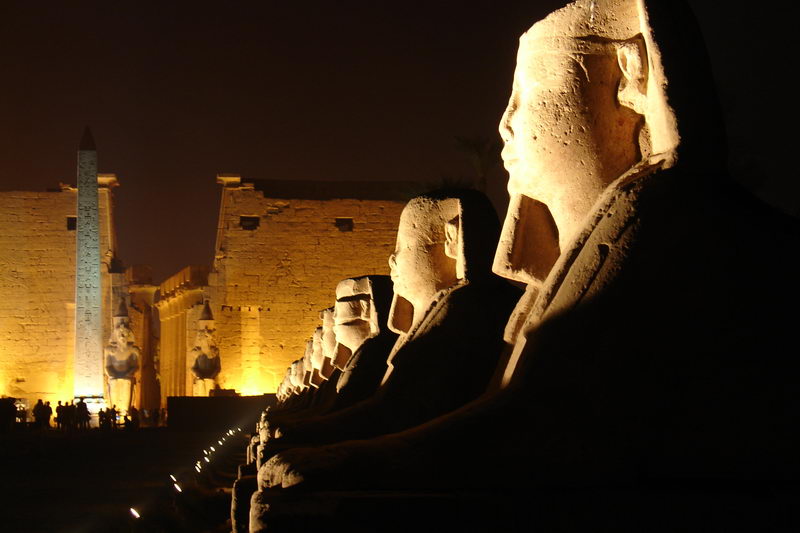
(176, 92)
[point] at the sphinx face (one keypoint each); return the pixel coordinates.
(316, 351)
(328, 334)
(350, 325)
(566, 135)
(419, 265)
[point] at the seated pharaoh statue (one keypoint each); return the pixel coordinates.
(653, 352)
(205, 354)
(122, 359)
(450, 309)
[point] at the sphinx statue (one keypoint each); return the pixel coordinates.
(328, 343)
(122, 361)
(450, 310)
(364, 338)
(355, 343)
(634, 356)
(205, 355)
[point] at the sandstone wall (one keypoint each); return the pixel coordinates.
(37, 290)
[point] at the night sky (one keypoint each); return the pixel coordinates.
(355, 90)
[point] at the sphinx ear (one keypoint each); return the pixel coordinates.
(454, 245)
(364, 307)
(632, 60)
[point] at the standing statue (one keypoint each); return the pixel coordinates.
(122, 361)
(206, 365)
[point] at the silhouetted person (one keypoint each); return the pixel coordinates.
(59, 415)
(135, 421)
(82, 414)
(39, 413)
(69, 415)
(8, 412)
(112, 416)
(48, 413)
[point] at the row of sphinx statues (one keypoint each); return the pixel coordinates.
(649, 347)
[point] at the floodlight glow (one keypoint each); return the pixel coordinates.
(177, 487)
(197, 467)
(205, 452)
(134, 513)
(220, 442)
(206, 458)
(213, 449)
(172, 477)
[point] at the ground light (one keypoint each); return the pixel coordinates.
(135, 513)
(172, 477)
(177, 487)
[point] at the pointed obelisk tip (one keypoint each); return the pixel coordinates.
(87, 141)
(206, 313)
(122, 309)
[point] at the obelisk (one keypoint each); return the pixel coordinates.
(88, 296)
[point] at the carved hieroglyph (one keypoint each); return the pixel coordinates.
(122, 361)
(88, 310)
(205, 355)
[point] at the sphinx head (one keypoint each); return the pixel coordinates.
(445, 238)
(296, 375)
(308, 367)
(588, 105)
(360, 313)
(317, 358)
(328, 342)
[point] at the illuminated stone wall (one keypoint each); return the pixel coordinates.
(281, 249)
(37, 289)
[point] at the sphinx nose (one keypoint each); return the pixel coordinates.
(506, 131)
